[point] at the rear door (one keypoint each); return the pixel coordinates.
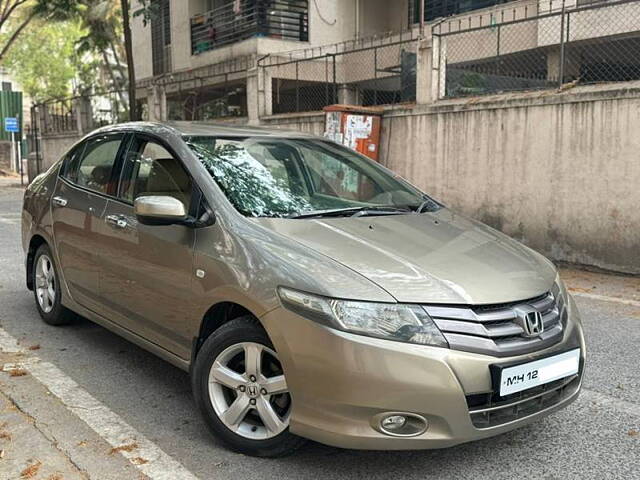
(146, 270)
(87, 177)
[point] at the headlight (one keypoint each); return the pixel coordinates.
(391, 321)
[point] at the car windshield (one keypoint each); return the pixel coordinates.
(289, 177)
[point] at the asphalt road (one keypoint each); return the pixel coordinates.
(593, 438)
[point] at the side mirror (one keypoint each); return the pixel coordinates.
(159, 210)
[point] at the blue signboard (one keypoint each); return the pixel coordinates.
(11, 125)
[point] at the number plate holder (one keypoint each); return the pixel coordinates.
(510, 379)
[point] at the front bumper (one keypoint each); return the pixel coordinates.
(340, 382)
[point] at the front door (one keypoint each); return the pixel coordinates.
(146, 270)
(77, 205)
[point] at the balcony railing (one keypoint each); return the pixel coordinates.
(236, 21)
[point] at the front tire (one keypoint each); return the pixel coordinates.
(47, 289)
(241, 391)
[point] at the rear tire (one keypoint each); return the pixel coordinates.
(235, 396)
(47, 289)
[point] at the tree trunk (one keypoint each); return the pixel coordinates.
(133, 106)
(118, 63)
(114, 82)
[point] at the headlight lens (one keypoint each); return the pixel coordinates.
(391, 321)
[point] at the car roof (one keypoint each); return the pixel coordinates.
(201, 128)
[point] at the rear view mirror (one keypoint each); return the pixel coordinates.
(159, 210)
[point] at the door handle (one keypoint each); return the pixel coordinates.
(59, 201)
(116, 221)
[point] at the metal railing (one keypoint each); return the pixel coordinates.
(375, 71)
(537, 45)
(79, 114)
(215, 91)
(239, 20)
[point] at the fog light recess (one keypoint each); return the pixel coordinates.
(399, 424)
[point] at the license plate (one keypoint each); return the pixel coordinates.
(528, 375)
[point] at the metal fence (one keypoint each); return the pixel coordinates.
(216, 91)
(80, 113)
(540, 45)
(378, 71)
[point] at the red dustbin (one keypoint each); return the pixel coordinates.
(355, 127)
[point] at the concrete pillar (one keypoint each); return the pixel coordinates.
(253, 96)
(430, 71)
(347, 94)
(265, 92)
(84, 115)
(571, 65)
(157, 103)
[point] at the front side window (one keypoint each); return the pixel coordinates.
(93, 170)
(150, 169)
(275, 177)
(70, 161)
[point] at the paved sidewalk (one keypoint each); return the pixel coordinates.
(11, 180)
(26, 452)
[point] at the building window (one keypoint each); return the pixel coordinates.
(6, 86)
(161, 37)
(443, 8)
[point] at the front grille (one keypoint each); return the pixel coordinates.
(489, 410)
(493, 329)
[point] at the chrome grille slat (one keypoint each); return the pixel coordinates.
(545, 304)
(472, 328)
(494, 330)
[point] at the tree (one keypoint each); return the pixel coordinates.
(133, 109)
(44, 60)
(103, 23)
(20, 13)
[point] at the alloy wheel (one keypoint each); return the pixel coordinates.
(45, 283)
(248, 391)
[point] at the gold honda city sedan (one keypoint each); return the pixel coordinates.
(309, 292)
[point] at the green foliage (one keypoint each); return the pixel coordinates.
(58, 10)
(148, 9)
(44, 59)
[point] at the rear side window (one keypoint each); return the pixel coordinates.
(94, 169)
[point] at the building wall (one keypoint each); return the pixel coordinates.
(330, 21)
(312, 123)
(55, 146)
(559, 172)
(141, 42)
(377, 17)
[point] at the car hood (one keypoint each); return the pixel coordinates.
(439, 257)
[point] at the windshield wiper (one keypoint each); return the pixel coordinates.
(352, 211)
(382, 210)
(428, 205)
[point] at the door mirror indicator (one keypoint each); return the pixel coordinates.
(159, 210)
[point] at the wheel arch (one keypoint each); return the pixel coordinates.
(218, 315)
(35, 242)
